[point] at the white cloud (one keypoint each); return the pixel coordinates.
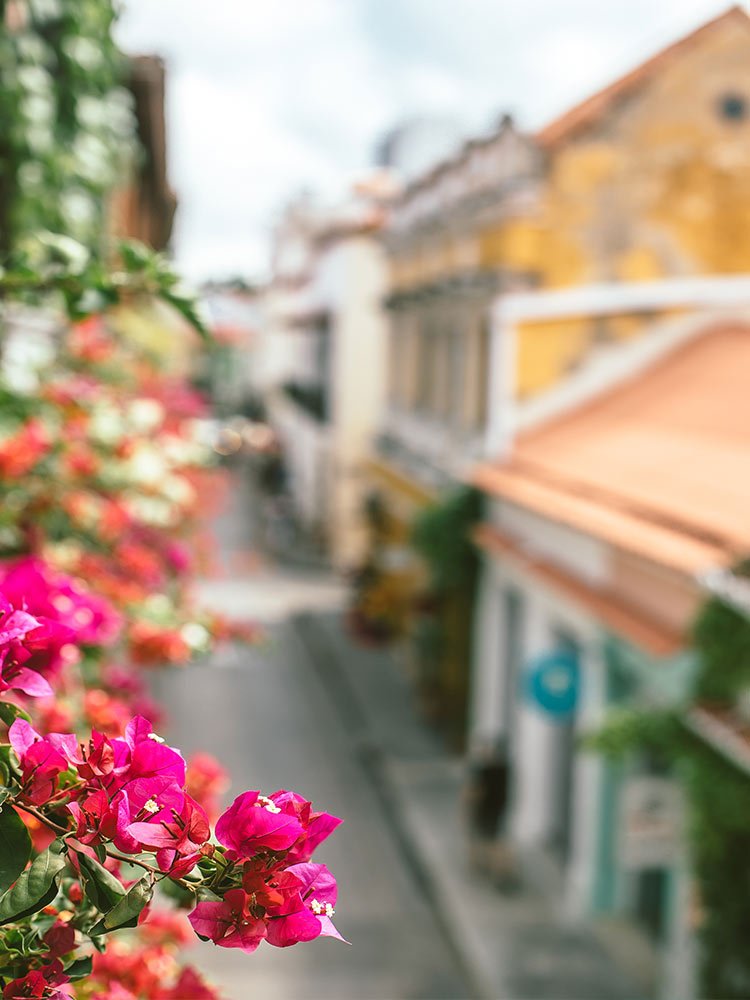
(265, 98)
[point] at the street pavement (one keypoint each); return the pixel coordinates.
(268, 717)
(308, 710)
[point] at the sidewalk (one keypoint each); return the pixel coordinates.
(512, 947)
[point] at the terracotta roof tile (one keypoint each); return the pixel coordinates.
(659, 466)
(608, 607)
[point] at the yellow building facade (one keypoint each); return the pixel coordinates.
(647, 179)
(644, 180)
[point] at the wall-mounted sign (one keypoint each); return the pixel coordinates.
(650, 827)
(552, 682)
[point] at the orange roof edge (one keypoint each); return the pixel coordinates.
(607, 607)
(594, 107)
(655, 465)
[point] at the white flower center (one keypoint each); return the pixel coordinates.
(155, 738)
(263, 802)
(151, 806)
(321, 909)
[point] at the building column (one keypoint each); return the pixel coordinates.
(533, 744)
(501, 392)
(588, 786)
(487, 674)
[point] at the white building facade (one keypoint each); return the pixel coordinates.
(587, 590)
(329, 328)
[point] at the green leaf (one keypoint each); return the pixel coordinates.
(15, 847)
(125, 913)
(10, 712)
(35, 887)
(8, 760)
(188, 308)
(79, 968)
(102, 888)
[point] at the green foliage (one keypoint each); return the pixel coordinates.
(717, 791)
(103, 890)
(10, 712)
(441, 534)
(15, 847)
(722, 634)
(719, 797)
(67, 121)
(36, 887)
(659, 732)
(79, 968)
(126, 911)
(83, 284)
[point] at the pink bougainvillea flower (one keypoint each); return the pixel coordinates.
(309, 914)
(96, 819)
(14, 624)
(316, 825)
(284, 908)
(118, 763)
(46, 649)
(100, 816)
(255, 823)
(41, 761)
(54, 596)
(98, 760)
(229, 922)
(17, 627)
(177, 835)
(151, 757)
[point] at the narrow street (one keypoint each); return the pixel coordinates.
(270, 716)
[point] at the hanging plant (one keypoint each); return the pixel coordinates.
(717, 793)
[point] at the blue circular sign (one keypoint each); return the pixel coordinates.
(552, 682)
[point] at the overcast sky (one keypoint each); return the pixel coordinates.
(268, 96)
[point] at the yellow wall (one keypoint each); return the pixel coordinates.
(549, 350)
(659, 187)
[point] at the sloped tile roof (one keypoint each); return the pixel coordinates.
(596, 107)
(659, 465)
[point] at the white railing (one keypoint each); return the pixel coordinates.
(710, 300)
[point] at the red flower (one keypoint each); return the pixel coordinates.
(40, 983)
(20, 452)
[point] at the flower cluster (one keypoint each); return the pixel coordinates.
(282, 897)
(102, 475)
(104, 500)
(119, 801)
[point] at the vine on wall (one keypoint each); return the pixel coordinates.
(717, 794)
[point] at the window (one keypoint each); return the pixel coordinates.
(733, 107)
